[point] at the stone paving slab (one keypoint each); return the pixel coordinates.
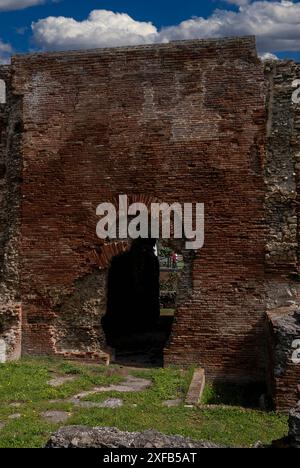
(15, 416)
(58, 381)
(15, 404)
(130, 385)
(110, 403)
(172, 403)
(56, 416)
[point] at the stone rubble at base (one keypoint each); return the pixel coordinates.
(101, 437)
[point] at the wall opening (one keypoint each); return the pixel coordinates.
(138, 323)
(172, 264)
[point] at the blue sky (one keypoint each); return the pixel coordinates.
(160, 12)
(277, 23)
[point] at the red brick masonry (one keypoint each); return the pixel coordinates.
(183, 122)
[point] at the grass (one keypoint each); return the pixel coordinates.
(25, 382)
(233, 395)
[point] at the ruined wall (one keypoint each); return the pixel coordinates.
(282, 175)
(98, 124)
(3, 142)
(282, 179)
(10, 179)
(81, 128)
(284, 330)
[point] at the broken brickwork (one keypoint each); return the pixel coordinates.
(282, 176)
(10, 220)
(193, 121)
(284, 327)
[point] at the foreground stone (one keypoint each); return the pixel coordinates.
(107, 437)
(294, 424)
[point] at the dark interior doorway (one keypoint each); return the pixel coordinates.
(133, 323)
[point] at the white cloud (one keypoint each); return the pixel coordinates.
(5, 52)
(276, 25)
(268, 56)
(7, 5)
(102, 28)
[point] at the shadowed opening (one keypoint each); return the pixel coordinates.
(135, 326)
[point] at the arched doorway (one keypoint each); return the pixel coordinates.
(140, 304)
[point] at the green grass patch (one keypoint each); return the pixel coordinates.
(246, 396)
(27, 382)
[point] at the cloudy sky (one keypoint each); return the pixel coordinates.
(32, 25)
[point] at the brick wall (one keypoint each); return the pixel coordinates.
(180, 122)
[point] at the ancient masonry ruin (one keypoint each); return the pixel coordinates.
(193, 121)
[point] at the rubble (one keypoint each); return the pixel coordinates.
(107, 437)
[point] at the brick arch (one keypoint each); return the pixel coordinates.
(111, 249)
(108, 252)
